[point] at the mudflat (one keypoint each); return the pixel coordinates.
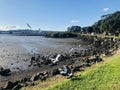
(16, 52)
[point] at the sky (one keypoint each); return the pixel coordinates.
(55, 15)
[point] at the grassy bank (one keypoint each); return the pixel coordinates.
(104, 77)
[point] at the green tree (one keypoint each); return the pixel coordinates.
(74, 29)
(90, 29)
(109, 23)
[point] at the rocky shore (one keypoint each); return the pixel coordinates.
(46, 66)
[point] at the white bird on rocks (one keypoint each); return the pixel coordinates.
(56, 59)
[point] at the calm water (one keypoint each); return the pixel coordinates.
(35, 44)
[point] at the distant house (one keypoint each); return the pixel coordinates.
(92, 33)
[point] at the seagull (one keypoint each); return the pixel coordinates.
(56, 59)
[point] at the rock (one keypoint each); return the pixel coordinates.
(24, 80)
(87, 64)
(1, 88)
(32, 58)
(46, 74)
(87, 60)
(32, 84)
(99, 59)
(34, 77)
(76, 68)
(17, 87)
(5, 72)
(39, 65)
(96, 59)
(1, 68)
(47, 62)
(55, 72)
(43, 78)
(10, 85)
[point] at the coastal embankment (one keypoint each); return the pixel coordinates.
(110, 65)
(101, 76)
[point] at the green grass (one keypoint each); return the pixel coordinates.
(105, 77)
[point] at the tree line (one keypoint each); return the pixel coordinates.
(108, 24)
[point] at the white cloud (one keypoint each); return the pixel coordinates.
(9, 27)
(106, 9)
(75, 21)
